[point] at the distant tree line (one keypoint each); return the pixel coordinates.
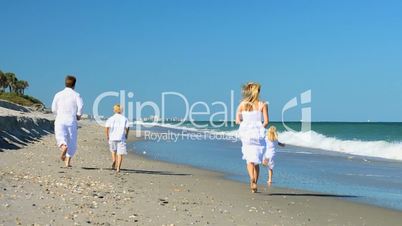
(9, 80)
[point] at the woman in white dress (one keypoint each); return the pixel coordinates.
(252, 115)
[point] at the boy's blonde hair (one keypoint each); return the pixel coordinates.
(117, 108)
(272, 134)
(251, 94)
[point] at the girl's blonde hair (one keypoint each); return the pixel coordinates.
(251, 94)
(272, 134)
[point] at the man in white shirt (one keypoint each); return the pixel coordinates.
(67, 105)
(117, 128)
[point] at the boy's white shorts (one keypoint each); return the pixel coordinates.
(118, 146)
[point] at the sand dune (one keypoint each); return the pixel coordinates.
(20, 125)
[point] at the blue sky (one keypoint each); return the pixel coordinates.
(348, 53)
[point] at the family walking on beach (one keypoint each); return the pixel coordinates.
(258, 146)
(67, 105)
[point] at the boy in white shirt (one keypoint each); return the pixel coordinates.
(117, 128)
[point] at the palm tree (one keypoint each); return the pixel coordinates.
(3, 82)
(20, 86)
(17, 87)
(11, 80)
(25, 85)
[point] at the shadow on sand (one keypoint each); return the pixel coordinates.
(17, 132)
(151, 172)
(312, 195)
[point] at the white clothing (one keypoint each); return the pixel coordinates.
(270, 152)
(67, 105)
(117, 125)
(66, 135)
(118, 146)
(252, 135)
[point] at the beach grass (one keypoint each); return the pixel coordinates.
(24, 100)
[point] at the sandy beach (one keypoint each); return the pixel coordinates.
(247, 113)
(37, 190)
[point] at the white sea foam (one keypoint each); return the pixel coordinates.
(379, 149)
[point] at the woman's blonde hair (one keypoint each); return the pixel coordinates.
(272, 134)
(251, 94)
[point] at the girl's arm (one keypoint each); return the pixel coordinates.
(265, 114)
(238, 114)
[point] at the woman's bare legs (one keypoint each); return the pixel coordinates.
(250, 170)
(256, 172)
(253, 172)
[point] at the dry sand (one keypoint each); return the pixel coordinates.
(36, 190)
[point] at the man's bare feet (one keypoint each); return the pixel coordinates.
(63, 149)
(68, 162)
(66, 167)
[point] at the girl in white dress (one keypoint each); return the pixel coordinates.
(272, 145)
(252, 115)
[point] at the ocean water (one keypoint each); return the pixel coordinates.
(357, 161)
